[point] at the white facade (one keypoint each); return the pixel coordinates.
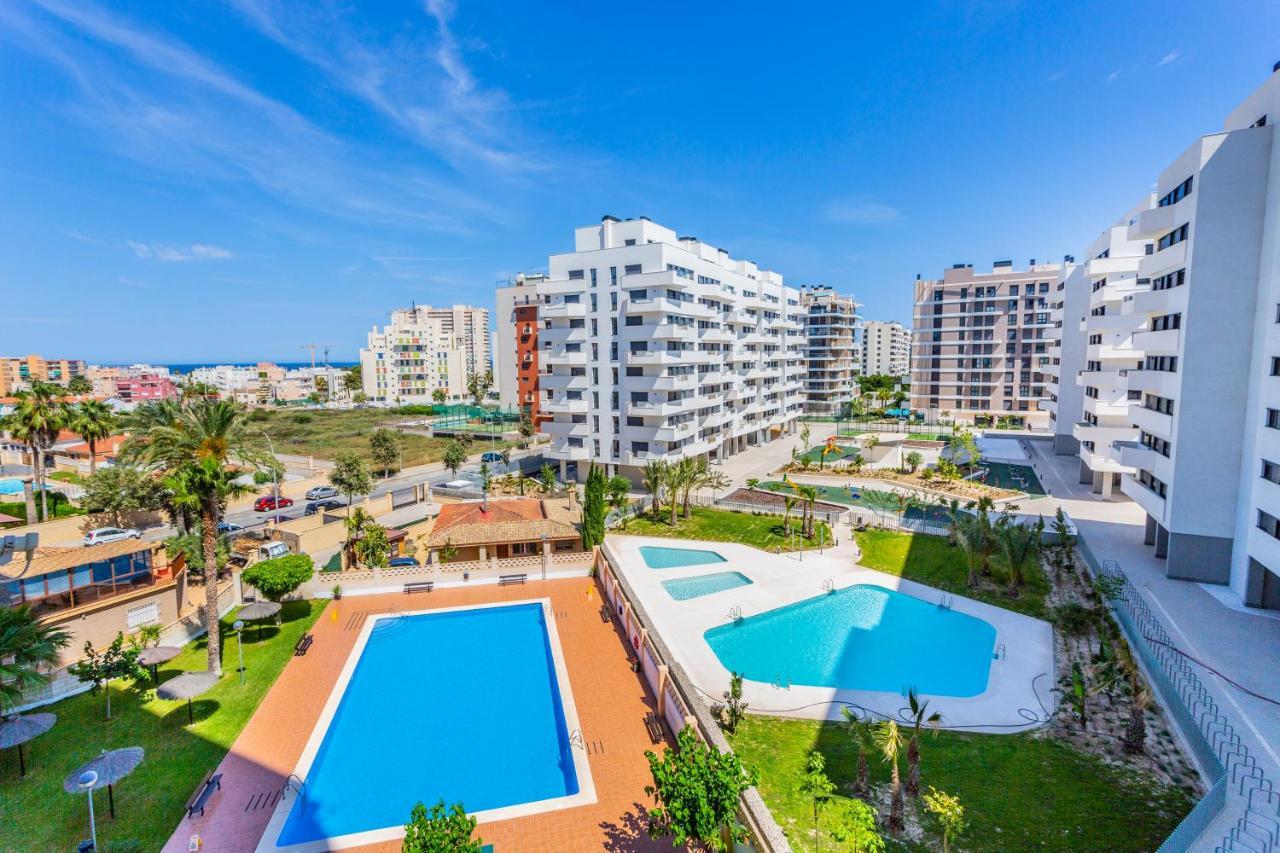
(886, 349)
(655, 346)
(834, 354)
(422, 349)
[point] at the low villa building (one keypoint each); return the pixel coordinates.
(509, 527)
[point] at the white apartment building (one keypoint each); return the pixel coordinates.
(981, 343)
(834, 349)
(886, 349)
(422, 349)
(657, 346)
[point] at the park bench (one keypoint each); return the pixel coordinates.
(654, 726)
(212, 781)
(304, 643)
(419, 586)
(507, 580)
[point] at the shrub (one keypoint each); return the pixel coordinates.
(261, 478)
(1074, 619)
(280, 576)
(302, 419)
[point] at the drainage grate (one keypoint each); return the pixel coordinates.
(595, 747)
(355, 620)
(263, 800)
(562, 614)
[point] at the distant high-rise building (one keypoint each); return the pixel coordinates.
(833, 354)
(517, 364)
(17, 373)
(980, 343)
(423, 349)
(886, 349)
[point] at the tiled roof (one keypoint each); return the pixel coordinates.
(54, 560)
(505, 521)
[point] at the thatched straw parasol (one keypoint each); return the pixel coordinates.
(188, 686)
(18, 729)
(111, 767)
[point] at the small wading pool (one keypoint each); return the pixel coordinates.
(861, 638)
(682, 589)
(656, 557)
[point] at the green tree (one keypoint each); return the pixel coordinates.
(191, 547)
(440, 830)
(119, 489)
(384, 446)
(547, 478)
(279, 576)
(478, 385)
(972, 538)
(27, 646)
(889, 740)
(753, 482)
(35, 421)
(788, 504)
(862, 729)
(918, 719)
(100, 668)
(734, 708)
(359, 398)
(79, 386)
(353, 378)
(913, 461)
(854, 827)
(455, 456)
(373, 549)
(654, 479)
(808, 494)
(814, 783)
(697, 789)
(618, 495)
(198, 448)
(439, 395)
(527, 428)
(804, 435)
(947, 813)
(1019, 544)
(350, 476)
(593, 511)
(92, 420)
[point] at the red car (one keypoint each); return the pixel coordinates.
(269, 502)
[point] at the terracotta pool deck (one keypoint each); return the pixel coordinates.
(611, 700)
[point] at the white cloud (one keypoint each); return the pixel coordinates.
(179, 254)
(860, 213)
(1170, 57)
(1113, 76)
(1056, 76)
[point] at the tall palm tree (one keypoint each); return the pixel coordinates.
(920, 717)
(654, 478)
(1019, 544)
(691, 478)
(92, 420)
(35, 422)
(889, 740)
(788, 503)
(200, 451)
(983, 506)
(26, 646)
(862, 729)
(808, 494)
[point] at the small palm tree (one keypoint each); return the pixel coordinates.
(92, 420)
(971, 537)
(808, 494)
(862, 729)
(654, 479)
(27, 646)
(788, 504)
(920, 717)
(1019, 544)
(889, 741)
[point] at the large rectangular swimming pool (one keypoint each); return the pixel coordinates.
(461, 705)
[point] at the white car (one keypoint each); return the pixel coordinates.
(110, 534)
(320, 492)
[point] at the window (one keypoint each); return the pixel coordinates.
(1153, 483)
(629, 242)
(1176, 194)
(1162, 363)
(1268, 524)
(575, 275)
(633, 420)
(631, 269)
(639, 447)
(1174, 237)
(1275, 366)
(1273, 418)
(1166, 322)
(634, 320)
(1176, 279)
(1163, 405)
(1270, 471)
(1155, 442)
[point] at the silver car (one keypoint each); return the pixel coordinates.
(110, 534)
(321, 492)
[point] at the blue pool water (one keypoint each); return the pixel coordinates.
(10, 487)
(672, 558)
(861, 638)
(683, 589)
(462, 706)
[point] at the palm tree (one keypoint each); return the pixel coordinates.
(677, 475)
(920, 717)
(712, 479)
(889, 740)
(691, 478)
(1020, 546)
(863, 732)
(199, 450)
(808, 494)
(92, 420)
(26, 645)
(971, 537)
(983, 506)
(788, 504)
(35, 421)
(654, 478)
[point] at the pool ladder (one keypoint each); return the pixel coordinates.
(575, 739)
(735, 613)
(1001, 652)
(293, 782)
(946, 601)
(829, 585)
(779, 684)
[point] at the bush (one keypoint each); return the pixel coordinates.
(302, 419)
(280, 576)
(261, 478)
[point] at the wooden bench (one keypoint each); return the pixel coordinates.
(507, 580)
(304, 643)
(211, 782)
(605, 613)
(654, 726)
(419, 586)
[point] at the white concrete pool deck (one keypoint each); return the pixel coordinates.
(1019, 686)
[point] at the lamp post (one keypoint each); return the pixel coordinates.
(239, 626)
(87, 780)
(275, 486)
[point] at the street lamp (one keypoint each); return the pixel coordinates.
(275, 486)
(85, 783)
(239, 626)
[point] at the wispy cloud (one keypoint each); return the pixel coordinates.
(178, 254)
(1056, 76)
(1113, 76)
(1170, 57)
(860, 213)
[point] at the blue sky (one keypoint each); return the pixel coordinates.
(206, 181)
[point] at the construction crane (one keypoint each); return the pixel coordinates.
(327, 378)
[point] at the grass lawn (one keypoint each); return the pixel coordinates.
(928, 436)
(1019, 792)
(67, 477)
(720, 525)
(59, 507)
(322, 433)
(932, 561)
(35, 813)
(840, 454)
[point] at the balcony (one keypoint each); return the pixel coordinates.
(1157, 302)
(560, 335)
(562, 382)
(564, 429)
(1112, 408)
(562, 450)
(1151, 421)
(1164, 342)
(1115, 291)
(565, 406)
(669, 332)
(1158, 382)
(1102, 462)
(1134, 454)
(1164, 261)
(560, 310)
(1150, 224)
(1151, 503)
(1101, 436)
(661, 383)
(1101, 267)
(560, 357)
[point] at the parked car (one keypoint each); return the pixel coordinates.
(271, 502)
(491, 456)
(271, 550)
(403, 563)
(110, 534)
(276, 519)
(228, 527)
(316, 493)
(323, 506)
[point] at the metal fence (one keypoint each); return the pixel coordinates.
(1212, 737)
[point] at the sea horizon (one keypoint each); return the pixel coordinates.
(188, 366)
